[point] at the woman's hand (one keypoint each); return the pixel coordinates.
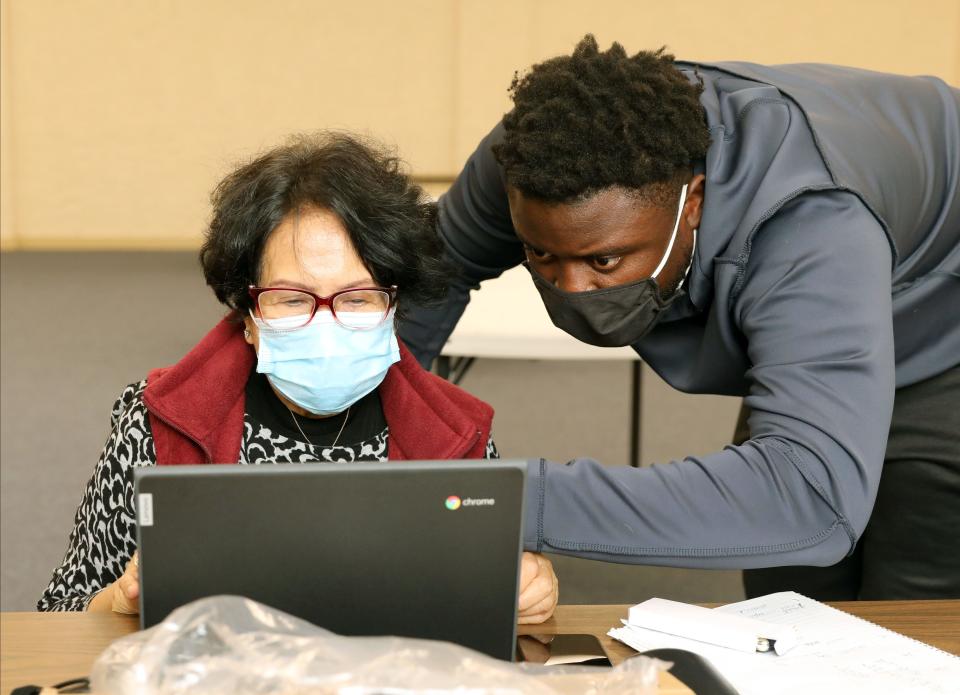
(539, 589)
(123, 595)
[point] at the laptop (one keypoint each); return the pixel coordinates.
(427, 549)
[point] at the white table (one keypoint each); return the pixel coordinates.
(506, 319)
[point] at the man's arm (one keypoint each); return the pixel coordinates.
(815, 311)
(474, 223)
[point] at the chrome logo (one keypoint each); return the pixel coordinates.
(452, 503)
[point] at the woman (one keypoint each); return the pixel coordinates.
(316, 247)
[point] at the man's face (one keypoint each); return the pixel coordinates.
(609, 239)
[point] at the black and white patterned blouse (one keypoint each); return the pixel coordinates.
(104, 532)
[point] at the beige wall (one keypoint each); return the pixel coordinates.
(118, 116)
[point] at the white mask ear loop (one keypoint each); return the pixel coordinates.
(673, 237)
(690, 264)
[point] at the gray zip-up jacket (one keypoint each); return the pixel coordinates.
(827, 274)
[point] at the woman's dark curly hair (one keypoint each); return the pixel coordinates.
(390, 222)
(596, 119)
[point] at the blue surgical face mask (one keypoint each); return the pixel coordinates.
(324, 367)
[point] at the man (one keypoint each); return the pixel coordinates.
(787, 234)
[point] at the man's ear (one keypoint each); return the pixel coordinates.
(693, 207)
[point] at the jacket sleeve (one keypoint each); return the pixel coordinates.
(475, 225)
(814, 308)
(104, 531)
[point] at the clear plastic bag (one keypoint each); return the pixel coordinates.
(235, 646)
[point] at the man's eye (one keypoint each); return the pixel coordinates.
(606, 262)
(536, 253)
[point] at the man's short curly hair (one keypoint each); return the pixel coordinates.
(598, 119)
(389, 219)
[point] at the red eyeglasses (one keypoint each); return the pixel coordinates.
(290, 308)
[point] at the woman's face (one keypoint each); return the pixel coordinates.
(311, 250)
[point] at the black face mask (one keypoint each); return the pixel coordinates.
(612, 316)
(608, 317)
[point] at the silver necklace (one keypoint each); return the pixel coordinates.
(337, 439)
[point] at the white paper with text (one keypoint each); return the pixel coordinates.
(835, 652)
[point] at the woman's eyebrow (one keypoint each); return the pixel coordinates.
(282, 282)
(366, 282)
(295, 284)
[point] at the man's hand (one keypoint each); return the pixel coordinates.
(539, 589)
(121, 596)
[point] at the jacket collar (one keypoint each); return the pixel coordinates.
(428, 417)
(198, 394)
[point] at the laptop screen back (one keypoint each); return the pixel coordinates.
(419, 549)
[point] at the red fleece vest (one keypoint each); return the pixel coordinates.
(196, 407)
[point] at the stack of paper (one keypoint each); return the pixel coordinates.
(832, 649)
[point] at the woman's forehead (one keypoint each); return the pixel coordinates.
(313, 248)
